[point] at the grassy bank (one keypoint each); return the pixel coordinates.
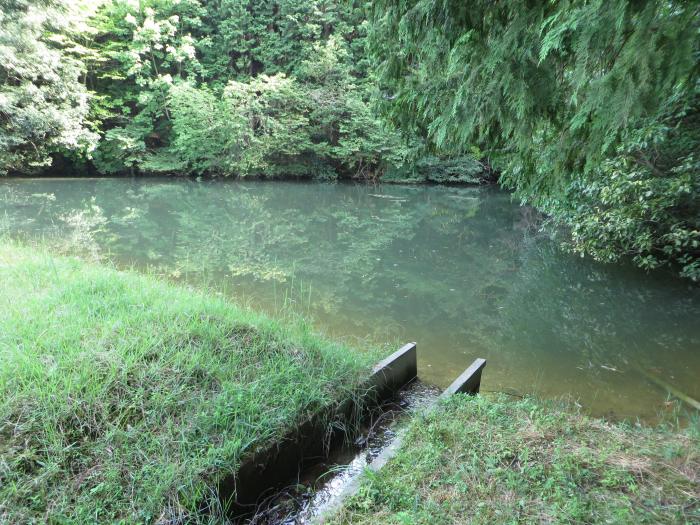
(124, 399)
(475, 460)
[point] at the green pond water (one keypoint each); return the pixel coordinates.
(462, 271)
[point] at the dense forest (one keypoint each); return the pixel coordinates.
(587, 110)
(232, 87)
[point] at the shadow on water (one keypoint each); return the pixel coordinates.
(461, 270)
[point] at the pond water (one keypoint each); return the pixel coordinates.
(460, 270)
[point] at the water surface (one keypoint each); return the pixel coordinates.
(462, 271)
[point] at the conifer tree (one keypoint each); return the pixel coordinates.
(589, 108)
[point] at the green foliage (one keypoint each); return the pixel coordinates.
(277, 130)
(241, 39)
(238, 89)
(286, 83)
(317, 123)
(345, 128)
(206, 138)
(643, 202)
(139, 50)
(424, 167)
(43, 105)
(561, 96)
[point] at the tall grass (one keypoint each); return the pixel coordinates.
(123, 398)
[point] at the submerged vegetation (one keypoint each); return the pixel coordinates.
(481, 460)
(125, 399)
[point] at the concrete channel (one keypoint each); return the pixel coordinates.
(271, 469)
(468, 382)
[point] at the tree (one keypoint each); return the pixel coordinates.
(139, 51)
(236, 88)
(569, 99)
(43, 103)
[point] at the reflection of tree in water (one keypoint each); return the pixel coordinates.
(591, 314)
(465, 263)
(328, 238)
(267, 234)
(466, 256)
(357, 247)
(339, 239)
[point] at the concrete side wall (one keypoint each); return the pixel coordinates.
(394, 372)
(468, 381)
(270, 467)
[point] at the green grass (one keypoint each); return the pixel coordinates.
(478, 460)
(125, 399)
